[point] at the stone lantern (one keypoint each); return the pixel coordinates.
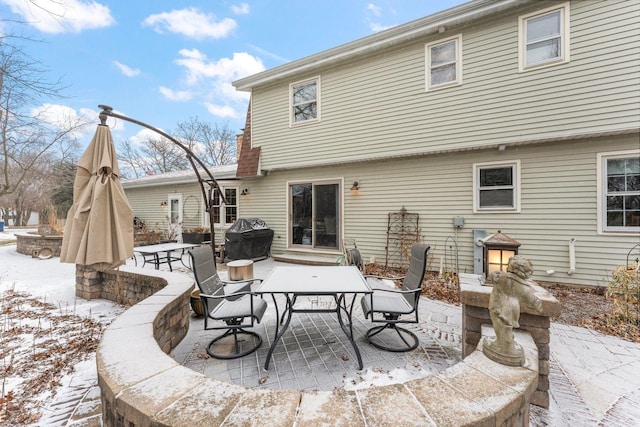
(498, 248)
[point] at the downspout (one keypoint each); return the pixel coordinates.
(572, 256)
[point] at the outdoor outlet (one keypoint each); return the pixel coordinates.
(458, 221)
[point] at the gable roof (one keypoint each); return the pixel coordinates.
(383, 40)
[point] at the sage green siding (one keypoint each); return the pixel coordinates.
(146, 204)
(377, 107)
(558, 202)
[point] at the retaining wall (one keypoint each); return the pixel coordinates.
(142, 386)
(32, 244)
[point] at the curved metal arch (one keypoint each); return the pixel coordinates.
(209, 180)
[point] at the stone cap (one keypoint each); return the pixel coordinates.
(478, 296)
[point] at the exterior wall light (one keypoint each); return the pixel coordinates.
(244, 192)
(498, 248)
(355, 186)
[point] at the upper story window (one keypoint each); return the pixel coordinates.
(305, 101)
(496, 186)
(225, 213)
(619, 189)
(444, 63)
(544, 37)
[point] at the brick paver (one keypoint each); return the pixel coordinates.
(593, 378)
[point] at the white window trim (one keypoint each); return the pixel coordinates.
(427, 55)
(223, 208)
(601, 192)
(292, 122)
(516, 187)
(564, 33)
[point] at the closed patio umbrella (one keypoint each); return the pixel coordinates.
(99, 228)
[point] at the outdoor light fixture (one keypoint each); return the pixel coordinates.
(244, 192)
(498, 248)
(355, 186)
(163, 204)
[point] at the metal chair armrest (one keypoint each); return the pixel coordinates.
(235, 295)
(383, 277)
(399, 291)
(226, 282)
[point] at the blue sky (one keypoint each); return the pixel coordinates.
(162, 61)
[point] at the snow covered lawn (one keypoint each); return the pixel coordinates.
(46, 333)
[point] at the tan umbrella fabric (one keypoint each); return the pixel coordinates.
(99, 226)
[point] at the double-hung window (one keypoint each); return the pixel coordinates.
(305, 101)
(496, 186)
(444, 63)
(225, 213)
(619, 185)
(544, 37)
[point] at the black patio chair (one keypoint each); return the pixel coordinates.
(393, 306)
(231, 302)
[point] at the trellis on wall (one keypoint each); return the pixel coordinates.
(402, 232)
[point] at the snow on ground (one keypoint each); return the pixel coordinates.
(46, 333)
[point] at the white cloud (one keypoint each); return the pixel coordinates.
(56, 16)
(198, 66)
(375, 10)
(192, 23)
(176, 95)
(376, 28)
(241, 9)
(126, 70)
(145, 135)
(374, 13)
(209, 81)
(61, 117)
(272, 55)
(221, 110)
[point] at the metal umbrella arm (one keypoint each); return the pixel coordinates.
(207, 194)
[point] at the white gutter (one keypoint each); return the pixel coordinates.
(222, 173)
(387, 39)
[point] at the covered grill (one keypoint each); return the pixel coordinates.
(248, 238)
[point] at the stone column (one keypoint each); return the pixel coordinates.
(475, 313)
(88, 282)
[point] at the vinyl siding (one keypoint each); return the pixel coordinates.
(558, 202)
(377, 107)
(145, 202)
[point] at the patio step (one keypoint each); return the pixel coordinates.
(307, 259)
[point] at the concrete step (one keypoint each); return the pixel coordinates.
(308, 259)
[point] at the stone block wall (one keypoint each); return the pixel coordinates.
(31, 244)
(140, 385)
(475, 314)
(120, 286)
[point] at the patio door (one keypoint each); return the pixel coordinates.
(314, 217)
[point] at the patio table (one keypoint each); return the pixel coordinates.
(339, 282)
(162, 253)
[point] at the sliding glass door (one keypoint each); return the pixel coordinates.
(315, 215)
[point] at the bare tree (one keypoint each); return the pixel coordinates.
(150, 157)
(28, 139)
(213, 144)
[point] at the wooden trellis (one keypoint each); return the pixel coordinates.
(402, 232)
